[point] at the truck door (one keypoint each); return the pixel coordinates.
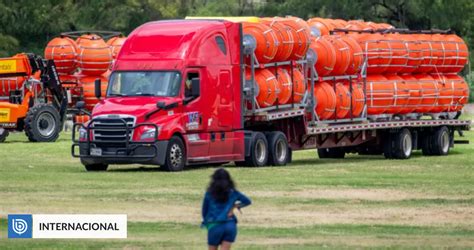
(194, 115)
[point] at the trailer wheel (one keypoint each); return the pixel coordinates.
(399, 145)
(440, 141)
(175, 155)
(331, 153)
(42, 123)
(3, 135)
(96, 167)
(278, 150)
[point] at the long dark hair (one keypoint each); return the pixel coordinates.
(221, 185)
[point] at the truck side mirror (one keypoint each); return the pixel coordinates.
(80, 105)
(98, 88)
(195, 88)
(161, 105)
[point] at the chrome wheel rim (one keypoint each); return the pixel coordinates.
(281, 151)
(445, 141)
(407, 145)
(46, 124)
(260, 150)
(176, 155)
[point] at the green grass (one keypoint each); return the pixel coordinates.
(360, 201)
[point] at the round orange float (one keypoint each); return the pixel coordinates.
(265, 38)
(116, 44)
(401, 95)
(325, 56)
(357, 99)
(284, 37)
(62, 50)
(94, 56)
(380, 94)
(301, 33)
(343, 101)
(356, 55)
(398, 53)
(343, 55)
(285, 86)
(299, 86)
(377, 51)
(426, 53)
(82, 119)
(320, 26)
(88, 88)
(438, 52)
(446, 92)
(325, 98)
(429, 94)
(459, 58)
(8, 84)
(413, 52)
(460, 91)
(266, 87)
(414, 89)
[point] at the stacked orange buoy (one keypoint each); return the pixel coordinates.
(80, 62)
(278, 39)
(406, 73)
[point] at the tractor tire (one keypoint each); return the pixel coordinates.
(96, 167)
(399, 145)
(278, 149)
(258, 151)
(175, 155)
(42, 123)
(4, 135)
(331, 153)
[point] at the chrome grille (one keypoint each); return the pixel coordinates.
(112, 128)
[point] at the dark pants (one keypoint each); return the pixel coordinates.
(226, 231)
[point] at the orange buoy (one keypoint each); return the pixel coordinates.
(414, 90)
(284, 85)
(325, 99)
(429, 94)
(426, 53)
(88, 89)
(413, 52)
(401, 95)
(284, 36)
(8, 84)
(398, 53)
(301, 33)
(265, 38)
(460, 91)
(116, 44)
(62, 50)
(339, 23)
(299, 86)
(377, 51)
(94, 56)
(357, 25)
(438, 52)
(325, 55)
(343, 55)
(356, 55)
(320, 26)
(446, 92)
(458, 59)
(357, 98)
(82, 119)
(380, 94)
(343, 101)
(266, 87)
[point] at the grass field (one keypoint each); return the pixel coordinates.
(361, 201)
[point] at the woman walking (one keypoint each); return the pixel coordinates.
(218, 207)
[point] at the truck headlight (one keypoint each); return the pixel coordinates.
(150, 133)
(82, 134)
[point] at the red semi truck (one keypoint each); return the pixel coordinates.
(178, 96)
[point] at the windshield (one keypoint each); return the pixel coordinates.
(144, 83)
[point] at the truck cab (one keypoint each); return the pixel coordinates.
(172, 99)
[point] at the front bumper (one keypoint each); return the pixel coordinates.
(123, 151)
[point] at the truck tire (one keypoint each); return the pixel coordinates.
(399, 145)
(278, 150)
(175, 155)
(331, 153)
(42, 123)
(96, 167)
(4, 135)
(440, 141)
(426, 147)
(258, 156)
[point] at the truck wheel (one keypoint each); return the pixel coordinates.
(331, 153)
(42, 123)
(258, 151)
(399, 145)
(440, 141)
(278, 150)
(96, 167)
(3, 135)
(175, 155)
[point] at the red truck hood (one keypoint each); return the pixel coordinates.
(136, 106)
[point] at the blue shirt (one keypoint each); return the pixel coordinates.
(216, 212)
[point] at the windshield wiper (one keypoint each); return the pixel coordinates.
(143, 94)
(117, 94)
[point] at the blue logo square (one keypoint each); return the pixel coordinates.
(20, 225)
